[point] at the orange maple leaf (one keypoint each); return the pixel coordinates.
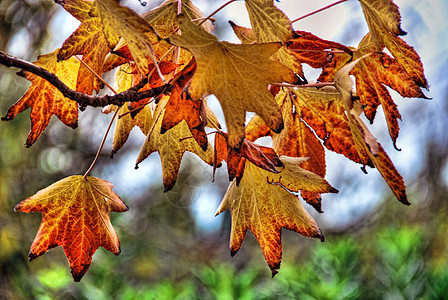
(45, 99)
(324, 111)
(298, 139)
(75, 215)
(264, 204)
(180, 107)
(373, 75)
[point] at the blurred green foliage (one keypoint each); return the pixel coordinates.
(388, 264)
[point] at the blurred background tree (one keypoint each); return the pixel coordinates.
(173, 247)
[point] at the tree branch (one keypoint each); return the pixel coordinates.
(84, 100)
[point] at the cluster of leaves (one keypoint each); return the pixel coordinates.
(167, 62)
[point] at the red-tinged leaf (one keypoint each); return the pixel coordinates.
(181, 107)
(372, 75)
(263, 157)
(45, 99)
(323, 110)
(310, 49)
(75, 215)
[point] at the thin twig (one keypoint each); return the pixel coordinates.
(317, 11)
(216, 11)
(318, 51)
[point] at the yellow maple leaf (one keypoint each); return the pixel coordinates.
(124, 79)
(236, 75)
(171, 146)
(164, 21)
(263, 204)
(269, 23)
(45, 99)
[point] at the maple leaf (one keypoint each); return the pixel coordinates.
(179, 108)
(88, 40)
(163, 19)
(297, 139)
(383, 19)
(368, 147)
(122, 22)
(75, 215)
(236, 75)
(126, 123)
(372, 75)
(263, 157)
(171, 146)
(45, 99)
(262, 203)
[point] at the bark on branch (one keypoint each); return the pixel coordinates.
(84, 100)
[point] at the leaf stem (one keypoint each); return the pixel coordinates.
(97, 76)
(316, 85)
(318, 51)
(102, 143)
(317, 11)
(110, 123)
